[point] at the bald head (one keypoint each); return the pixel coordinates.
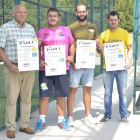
(81, 4)
(19, 14)
(18, 6)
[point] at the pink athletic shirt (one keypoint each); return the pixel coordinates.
(50, 37)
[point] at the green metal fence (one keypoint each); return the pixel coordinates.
(36, 16)
(136, 58)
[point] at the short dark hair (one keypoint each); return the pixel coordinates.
(81, 4)
(113, 13)
(54, 10)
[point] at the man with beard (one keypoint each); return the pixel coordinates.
(54, 35)
(80, 30)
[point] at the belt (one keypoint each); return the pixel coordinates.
(15, 63)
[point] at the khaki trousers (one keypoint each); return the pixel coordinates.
(15, 84)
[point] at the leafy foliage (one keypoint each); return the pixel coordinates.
(125, 9)
(66, 5)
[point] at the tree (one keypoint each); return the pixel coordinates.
(125, 9)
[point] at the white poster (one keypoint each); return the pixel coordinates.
(114, 56)
(85, 54)
(28, 58)
(55, 57)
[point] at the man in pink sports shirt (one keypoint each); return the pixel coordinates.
(52, 35)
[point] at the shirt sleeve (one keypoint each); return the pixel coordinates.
(96, 32)
(128, 41)
(34, 34)
(2, 36)
(101, 40)
(39, 36)
(71, 39)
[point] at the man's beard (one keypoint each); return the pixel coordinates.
(83, 19)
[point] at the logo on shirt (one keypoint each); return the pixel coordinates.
(61, 34)
(113, 40)
(91, 29)
(46, 35)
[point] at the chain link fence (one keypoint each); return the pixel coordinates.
(36, 16)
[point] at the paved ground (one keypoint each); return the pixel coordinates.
(113, 130)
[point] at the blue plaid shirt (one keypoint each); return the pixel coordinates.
(9, 33)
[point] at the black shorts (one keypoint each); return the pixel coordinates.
(58, 83)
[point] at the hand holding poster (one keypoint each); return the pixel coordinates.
(28, 58)
(114, 56)
(85, 53)
(55, 57)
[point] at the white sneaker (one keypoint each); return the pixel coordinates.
(70, 121)
(91, 120)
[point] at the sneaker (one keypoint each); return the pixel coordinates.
(40, 126)
(124, 120)
(91, 120)
(70, 121)
(105, 119)
(63, 125)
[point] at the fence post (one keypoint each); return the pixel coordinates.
(91, 11)
(114, 3)
(66, 21)
(136, 27)
(76, 3)
(101, 23)
(3, 12)
(54, 3)
(101, 15)
(109, 9)
(38, 15)
(17, 2)
(109, 6)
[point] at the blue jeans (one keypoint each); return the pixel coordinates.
(121, 80)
